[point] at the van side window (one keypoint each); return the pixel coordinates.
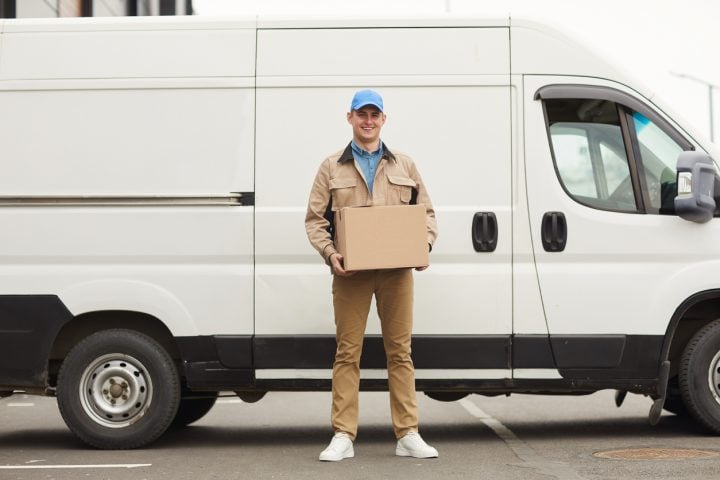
(590, 153)
(658, 155)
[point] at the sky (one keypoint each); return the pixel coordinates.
(659, 41)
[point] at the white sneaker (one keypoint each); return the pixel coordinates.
(340, 447)
(412, 445)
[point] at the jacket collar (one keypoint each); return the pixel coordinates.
(347, 155)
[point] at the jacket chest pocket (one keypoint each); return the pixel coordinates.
(344, 192)
(400, 189)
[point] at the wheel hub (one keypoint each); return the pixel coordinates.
(115, 390)
(714, 377)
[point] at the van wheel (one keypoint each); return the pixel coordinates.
(447, 396)
(699, 376)
(118, 389)
(193, 409)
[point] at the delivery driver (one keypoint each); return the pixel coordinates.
(367, 173)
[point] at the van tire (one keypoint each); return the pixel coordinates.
(191, 410)
(118, 389)
(699, 376)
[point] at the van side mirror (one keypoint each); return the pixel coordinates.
(697, 183)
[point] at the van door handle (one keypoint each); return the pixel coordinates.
(484, 232)
(554, 231)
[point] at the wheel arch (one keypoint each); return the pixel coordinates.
(690, 316)
(85, 324)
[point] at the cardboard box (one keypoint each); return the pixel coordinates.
(371, 238)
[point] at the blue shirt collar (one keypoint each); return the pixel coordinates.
(359, 150)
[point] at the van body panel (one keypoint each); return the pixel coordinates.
(540, 50)
(284, 261)
(270, 21)
(30, 324)
(110, 156)
(476, 103)
(651, 253)
(45, 50)
(389, 51)
(191, 267)
(528, 313)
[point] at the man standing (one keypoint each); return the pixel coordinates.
(367, 173)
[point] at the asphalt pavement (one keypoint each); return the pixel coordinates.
(522, 437)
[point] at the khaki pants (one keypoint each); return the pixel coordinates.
(393, 290)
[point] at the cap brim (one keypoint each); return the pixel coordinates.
(368, 104)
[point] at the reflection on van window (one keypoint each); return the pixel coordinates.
(589, 153)
(659, 155)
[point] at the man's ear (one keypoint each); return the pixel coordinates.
(349, 116)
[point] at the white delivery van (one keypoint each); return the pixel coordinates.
(155, 175)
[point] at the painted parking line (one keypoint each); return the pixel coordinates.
(230, 400)
(47, 467)
(18, 404)
(529, 456)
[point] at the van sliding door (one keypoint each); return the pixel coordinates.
(447, 98)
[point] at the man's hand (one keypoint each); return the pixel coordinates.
(420, 269)
(336, 263)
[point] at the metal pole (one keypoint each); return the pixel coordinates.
(710, 98)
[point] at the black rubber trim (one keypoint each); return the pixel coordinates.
(436, 351)
(213, 376)
(8, 9)
(532, 351)
(565, 352)
(560, 91)
(235, 351)
(86, 8)
(588, 351)
(222, 362)
(484, 387)
(247, 199)
(197, 349)
(28, 327)
(586, 362)
(608, 357)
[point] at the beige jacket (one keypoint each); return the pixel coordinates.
(340, 183)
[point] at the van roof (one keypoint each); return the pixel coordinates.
(537, 47)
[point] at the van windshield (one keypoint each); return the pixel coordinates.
(659, 154)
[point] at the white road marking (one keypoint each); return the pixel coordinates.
(17, 404)
(230, 400)
(35, 467)
(530, 458)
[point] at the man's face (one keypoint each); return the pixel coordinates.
(366, 124)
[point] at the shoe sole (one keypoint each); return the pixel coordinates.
(401, 452)
(349, 455)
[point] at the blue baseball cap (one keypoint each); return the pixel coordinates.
(363, 98)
